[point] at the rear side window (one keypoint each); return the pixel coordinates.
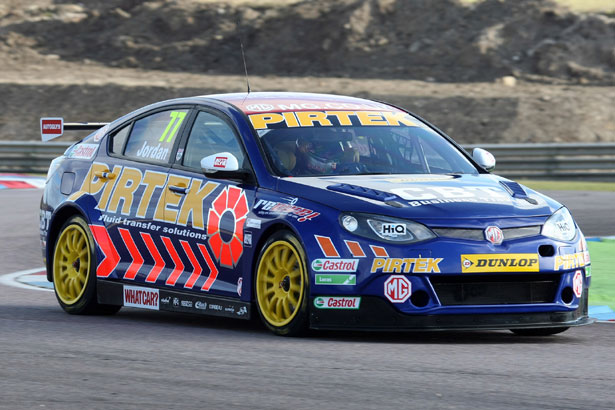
(152, 137)
(118, 140)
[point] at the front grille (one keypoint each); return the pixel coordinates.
(478, 234)
(495, 289)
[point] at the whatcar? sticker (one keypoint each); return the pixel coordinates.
(145, 298)
(506, 262)
(334, 302)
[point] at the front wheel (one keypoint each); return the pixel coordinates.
(281, 285)
(546, 331)
(74, 270)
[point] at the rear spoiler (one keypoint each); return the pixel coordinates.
(53, 127)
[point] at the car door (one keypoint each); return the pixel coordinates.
(209, 213)
(131, 200)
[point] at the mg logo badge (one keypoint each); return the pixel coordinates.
(494, 235)
(577, 283)
(397, 288)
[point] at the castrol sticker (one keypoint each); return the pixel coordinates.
(144, 298)
(335, 265)
(336, 302)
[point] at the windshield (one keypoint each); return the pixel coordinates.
(352, 148)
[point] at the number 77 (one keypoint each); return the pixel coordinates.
(177, 117)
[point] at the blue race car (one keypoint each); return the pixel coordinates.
(309, 210)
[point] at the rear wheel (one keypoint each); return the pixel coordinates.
(74, 270)
(281, 285)
(546, 331)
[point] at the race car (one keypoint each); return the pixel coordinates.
(312, 211)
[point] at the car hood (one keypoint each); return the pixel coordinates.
(481, 196)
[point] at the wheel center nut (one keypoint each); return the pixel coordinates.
(285, 284)
(77, 264)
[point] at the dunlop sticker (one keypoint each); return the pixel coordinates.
(506, 262)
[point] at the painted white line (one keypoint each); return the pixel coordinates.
(10, 279)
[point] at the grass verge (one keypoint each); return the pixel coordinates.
(602, 290)
(567, 185)
(596, 6)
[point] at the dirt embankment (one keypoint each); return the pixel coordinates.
(512, 71)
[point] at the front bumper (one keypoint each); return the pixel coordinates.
(376, 314)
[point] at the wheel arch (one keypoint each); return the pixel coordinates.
(57, 220)
(270, 230)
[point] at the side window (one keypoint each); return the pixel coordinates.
(152, 137)
(118, 140)
(210, 135)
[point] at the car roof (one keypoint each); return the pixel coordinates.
(255, 102)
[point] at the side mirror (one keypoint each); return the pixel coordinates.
(222, 161)
(224, 165)
(484, 158)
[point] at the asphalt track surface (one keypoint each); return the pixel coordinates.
(151, 360)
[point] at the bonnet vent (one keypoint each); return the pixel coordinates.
(517, 191)
(364, 192)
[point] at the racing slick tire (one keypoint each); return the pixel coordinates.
(74, 270)
(281, 285)
(546, 331)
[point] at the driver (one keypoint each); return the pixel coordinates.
(320, 156)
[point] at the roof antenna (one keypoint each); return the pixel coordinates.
(245, 66)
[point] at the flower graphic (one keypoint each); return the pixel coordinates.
(231, 202)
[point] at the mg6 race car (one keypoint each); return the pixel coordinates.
(310, 211)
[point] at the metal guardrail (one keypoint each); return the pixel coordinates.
(594, 161)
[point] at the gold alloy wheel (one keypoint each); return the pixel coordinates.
(71, 264)
(280, 283)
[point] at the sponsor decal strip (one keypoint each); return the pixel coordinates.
(158, 261)
(83, 151)
(379, 251)
(264, 207)
(327, 247)
(571, 261)
(406, 265)
(335, 279)
(196, 267)
(213, 271)
(335, 302)
(505, 262)
(179, 266)
(328, 118)
(112, 258)
(335, 265)
(145, 298)
(137, 259)
(233, 200)
(355, 249)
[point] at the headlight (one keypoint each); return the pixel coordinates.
(384, 228)
(560, 226)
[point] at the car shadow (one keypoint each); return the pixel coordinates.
(255, 327)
